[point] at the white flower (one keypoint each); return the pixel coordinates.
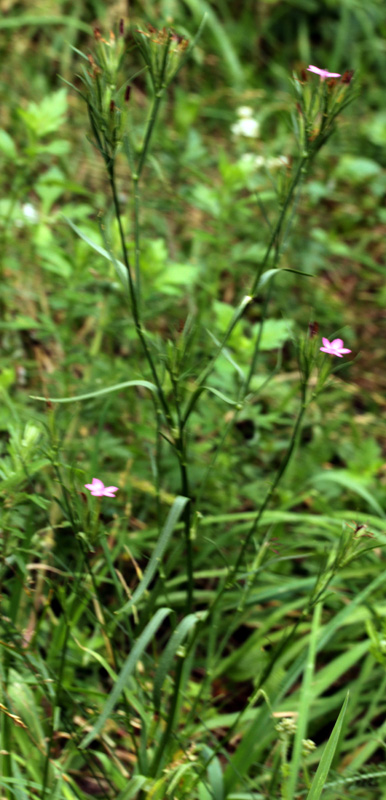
(258, 162)
(246, 127)
(278, 161)
(30, 213)
(244, 112)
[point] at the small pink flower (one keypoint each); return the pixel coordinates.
(98, 489)
(334, 348)
(323, 73)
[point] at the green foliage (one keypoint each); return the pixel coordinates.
(154, 332)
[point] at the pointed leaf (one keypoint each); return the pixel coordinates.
(171, 521)
(127, 670)
(146, 385)
(321, 774)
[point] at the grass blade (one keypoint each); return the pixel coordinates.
(168, 654)
(304, 705)
(171, 521)
(125, 673)
(320, 776)
(119, 267)
(89, 395)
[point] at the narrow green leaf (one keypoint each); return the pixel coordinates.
(119, 266)
(171, 521)
(125, 673)
(351, 482)
(41, 21)
(166, 660)
(133, 788)
(199, 8)
(145, 384)
(321, 774)
(304, 706)
(271, 273)
(220, 395)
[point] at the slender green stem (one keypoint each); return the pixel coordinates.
(185, 491)
(273, 242)
(134, 304)
(208, 369)
(279, 475)
(159, 90)
(149, 130)
(279, 224)
(137, 251)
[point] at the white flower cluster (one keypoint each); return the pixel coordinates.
(271, 162)
(246, 125)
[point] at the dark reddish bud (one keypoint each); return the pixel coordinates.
(121, 27)
(127, 94)
(97, 34)
(313, 328)
(331, 83)
(303, 73)
(299, 108)
(348, 76)
(112, 106)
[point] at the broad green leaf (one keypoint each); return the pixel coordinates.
(357, 169)
(7, 145)
(127, 670)
(275, 333)
(48, 115)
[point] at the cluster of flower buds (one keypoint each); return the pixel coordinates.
(106, 101)
(107, 98)
(162, 51)
(319, 104)
(308, 359)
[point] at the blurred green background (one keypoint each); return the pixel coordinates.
(65, 330)
(64, 325)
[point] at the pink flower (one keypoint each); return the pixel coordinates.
(334, 348)
(324, 73)
(98, 489)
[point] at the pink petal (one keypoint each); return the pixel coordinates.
(323, 73)
(344, 350)
(89, 486)
(337, 344)
(326, 342)
(327, 350)
(109, 491)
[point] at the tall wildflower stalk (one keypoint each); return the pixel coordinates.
(109, 101)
